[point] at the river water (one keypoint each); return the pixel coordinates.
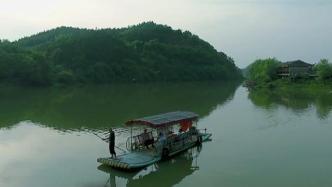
(259, 139)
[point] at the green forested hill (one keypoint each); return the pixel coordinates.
(140, 53)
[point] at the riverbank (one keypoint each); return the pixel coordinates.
(301, 85)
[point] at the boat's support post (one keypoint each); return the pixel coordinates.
(131, 138)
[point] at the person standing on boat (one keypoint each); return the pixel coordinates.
(147, 139)
(162, 138)
(161, 142)
(112, 143)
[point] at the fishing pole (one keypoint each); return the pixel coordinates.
(104, 139)
(107, 141)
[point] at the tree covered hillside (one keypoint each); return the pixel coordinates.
(140, 53)
(21, 66)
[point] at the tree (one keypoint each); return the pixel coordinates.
(323, 69)
(264, 69)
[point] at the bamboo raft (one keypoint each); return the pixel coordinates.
(137, 160)
(140, 158)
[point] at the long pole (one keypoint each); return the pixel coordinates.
(106, 140)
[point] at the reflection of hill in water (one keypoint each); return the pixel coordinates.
(298, 100)
(100, 106)
(165, 174)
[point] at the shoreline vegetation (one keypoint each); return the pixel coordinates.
(147, 52)
(264, 74)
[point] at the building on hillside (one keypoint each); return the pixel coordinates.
(296, 68)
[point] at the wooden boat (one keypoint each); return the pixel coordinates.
(163, 136)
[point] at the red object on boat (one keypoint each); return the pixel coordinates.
(185, 125)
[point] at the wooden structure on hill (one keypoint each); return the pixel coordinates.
(296, 68)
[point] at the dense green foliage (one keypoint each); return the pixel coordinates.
(262, 74)
(263, 70)
(323, 70)
(141, 53)
(266, 70)
(22, 66)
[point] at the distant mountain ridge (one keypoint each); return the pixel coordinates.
(47, 37)
(140, 53)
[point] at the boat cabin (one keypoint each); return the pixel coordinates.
(167, 133)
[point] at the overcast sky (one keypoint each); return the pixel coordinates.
(244, 29)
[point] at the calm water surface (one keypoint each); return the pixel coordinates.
(259, 139)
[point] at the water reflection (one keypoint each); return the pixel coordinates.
(101, 106)
(296, 100)
(166, 173)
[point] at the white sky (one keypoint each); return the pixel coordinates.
(244, 29)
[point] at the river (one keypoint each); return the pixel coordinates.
(259, 139)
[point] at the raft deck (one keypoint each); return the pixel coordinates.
(130, 161)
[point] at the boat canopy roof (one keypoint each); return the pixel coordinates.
(166, 119)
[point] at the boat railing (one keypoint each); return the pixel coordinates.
(200, 130)
(140, 141)
(180, 139)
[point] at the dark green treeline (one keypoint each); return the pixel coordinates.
(141, 53)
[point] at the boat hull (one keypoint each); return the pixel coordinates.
(136, 160)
